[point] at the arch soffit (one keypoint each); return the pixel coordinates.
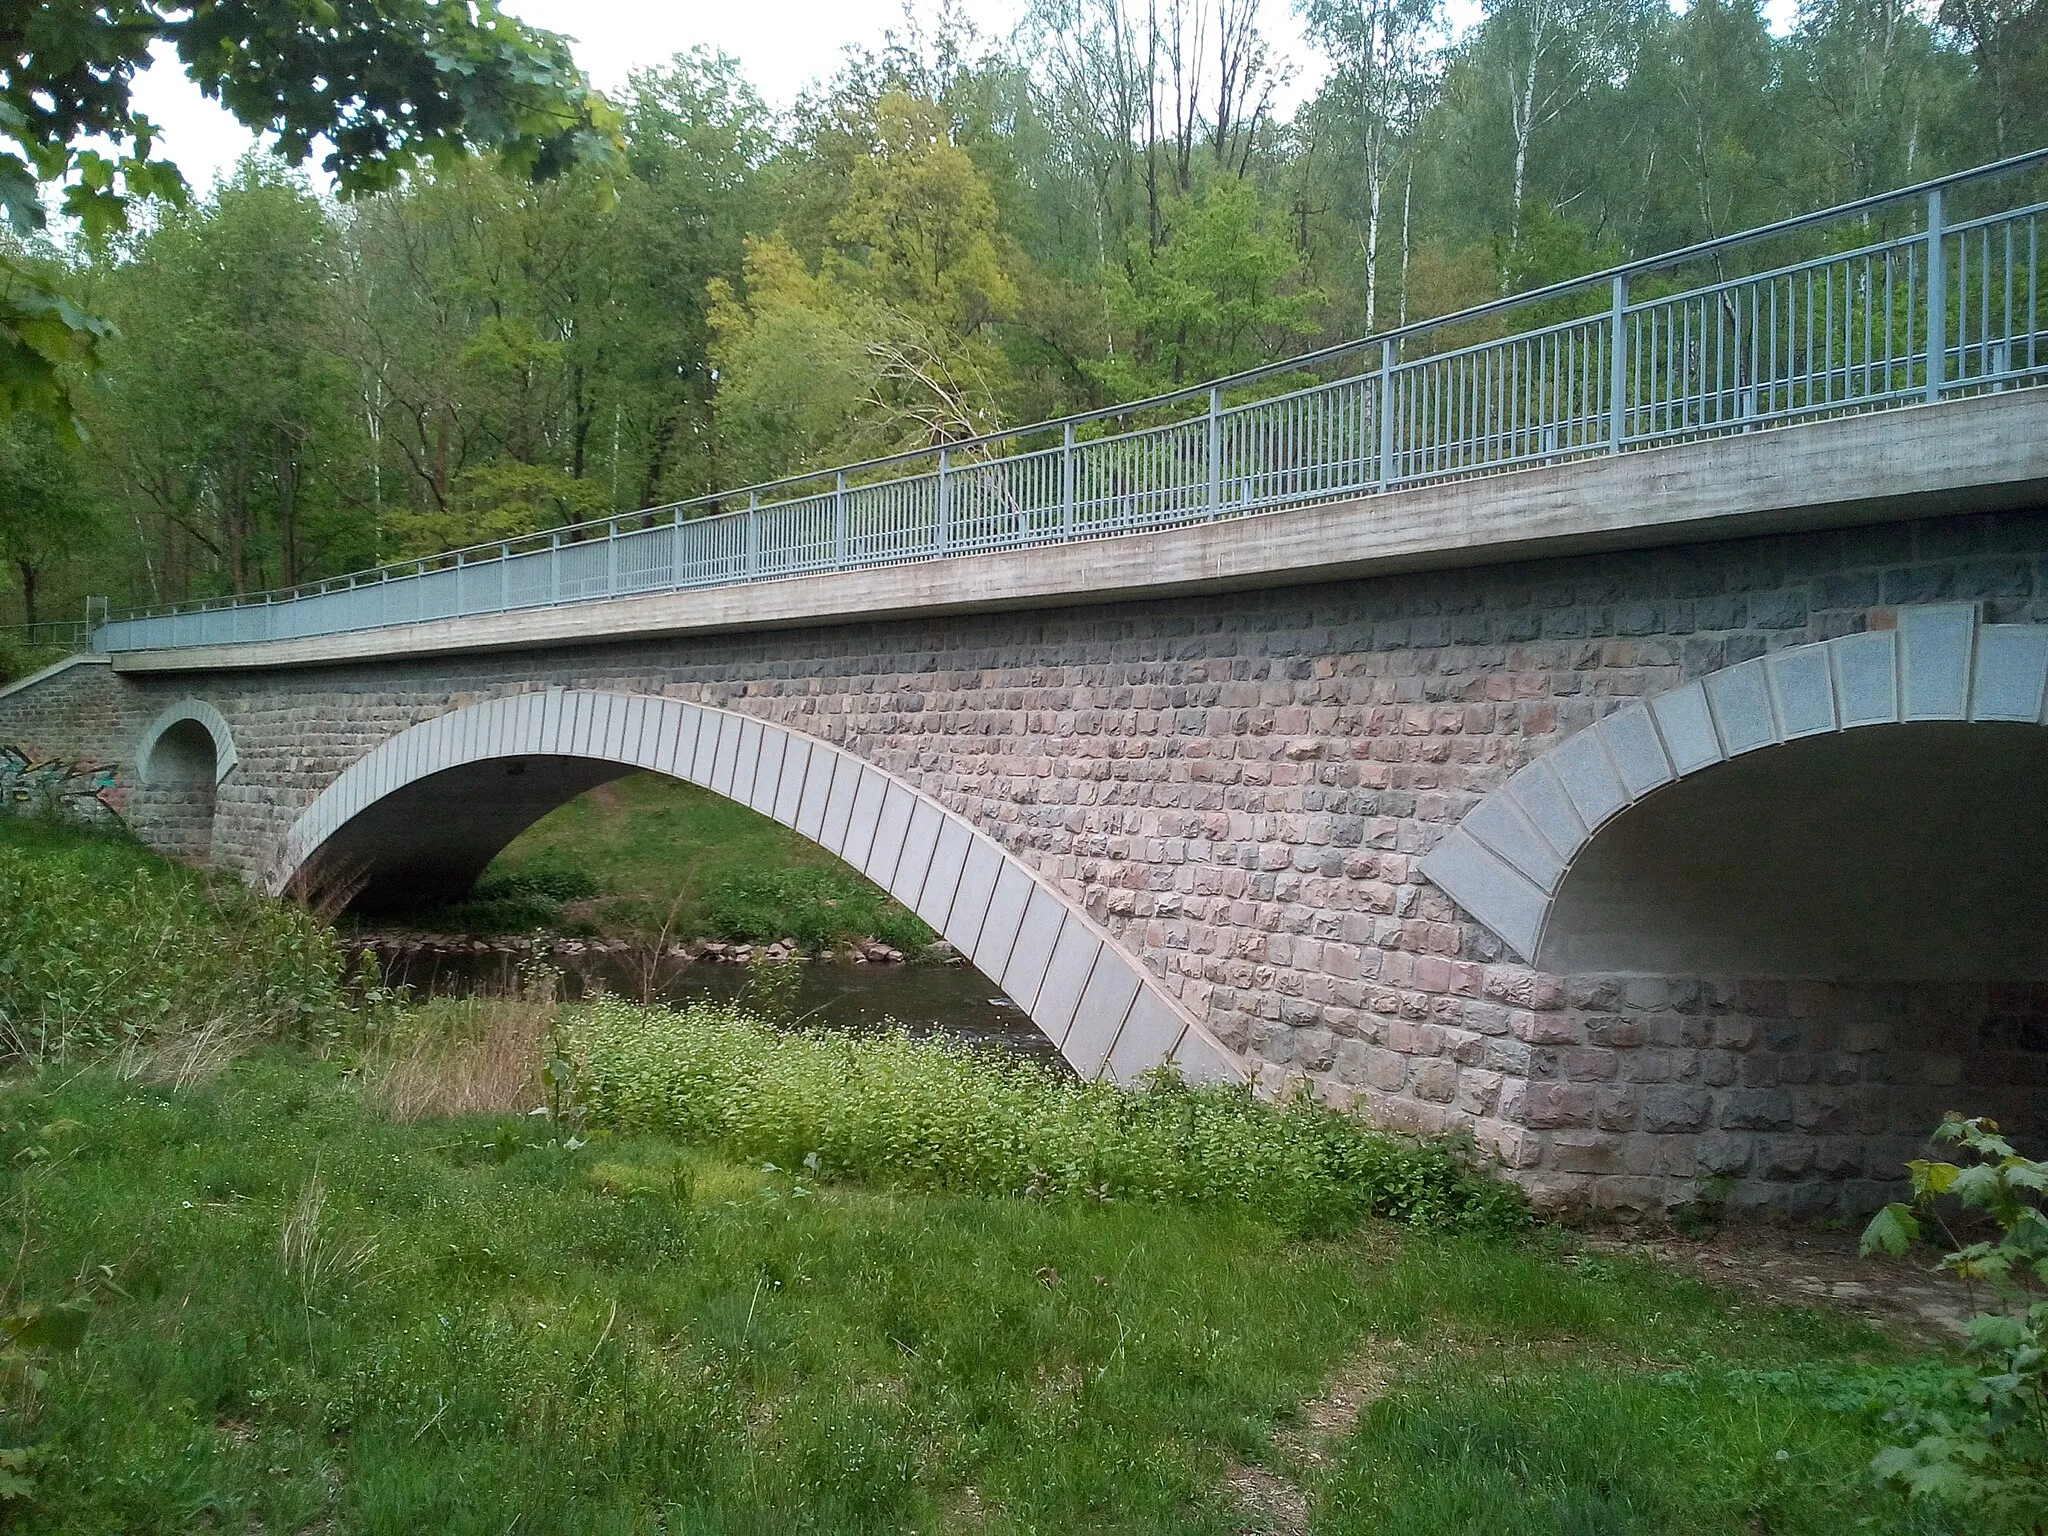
(211, 720)
(1506, 860)
(1107, 1015)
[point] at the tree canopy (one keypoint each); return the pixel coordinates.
(952, 233)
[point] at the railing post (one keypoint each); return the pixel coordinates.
(943, 533)
(1386, 413)
(675, 551)
(1215, 452)
(1937, 300)
(1617, 369)
(504, 577)
(753, 551)
(611, 558)
(1067, 481)
(839, 521)
(554, 569)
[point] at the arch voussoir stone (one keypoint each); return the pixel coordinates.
(1507, 858)
(1107, 1014)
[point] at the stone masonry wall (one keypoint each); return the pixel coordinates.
(1240, 787)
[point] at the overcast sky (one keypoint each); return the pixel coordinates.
(783, 45)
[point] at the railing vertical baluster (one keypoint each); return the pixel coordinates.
(1937, 299)
(1067, 481)
(1386, 413)
(1215, 453)
(839, 521)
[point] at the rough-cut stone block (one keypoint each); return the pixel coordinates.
(1024, 969)
(942, 880)
(1687, 726)
(1201, 1061)
(964, 919)
(863, 818)
(1935, 645)
(768, 776)
(1489, 889)
(1074, 957)
(1499, 823)
(746, 763)
(998, 936)
(892, 826)
(1150, 1032)
(676, 761)
(846, 781)
(1866, 670)
(2012, 672)
(1741, 701)
(1637, 750)
(1803, 689)
(906, 882)
(825, 766)
(705, 759)
(1542, 797)
(790, 786)
(1589, 778)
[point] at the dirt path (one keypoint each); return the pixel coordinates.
(1273, 1500)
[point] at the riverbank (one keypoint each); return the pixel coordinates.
(292, 1256)
(657, 862)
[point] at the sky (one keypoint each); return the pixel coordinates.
(783, 46)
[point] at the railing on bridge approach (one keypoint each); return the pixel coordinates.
(1630, 358)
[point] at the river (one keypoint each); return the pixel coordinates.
(951, 1001)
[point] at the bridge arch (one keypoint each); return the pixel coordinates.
(424, 812)
(1813, 812)
(181, 760)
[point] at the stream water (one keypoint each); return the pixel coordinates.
(953, 1001)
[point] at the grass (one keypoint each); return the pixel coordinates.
(647, 854)
(344, 1281)
(313, 1317)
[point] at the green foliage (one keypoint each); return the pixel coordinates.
(102, 945)
(632, 1336)
(818, 907)
(1987, 1454)
(386, 84)
(928, 1115)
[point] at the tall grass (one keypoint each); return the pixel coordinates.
(103, 945)
(931, 1115)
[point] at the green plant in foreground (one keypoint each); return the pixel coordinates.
(1989, 1453)
(928, 1114)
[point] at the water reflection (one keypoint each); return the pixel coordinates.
(953, 1001)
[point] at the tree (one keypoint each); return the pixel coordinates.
(1384, 51)
(386, 83)
(44, 513)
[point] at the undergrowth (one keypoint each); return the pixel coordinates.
(102, 945)
(927, 1114)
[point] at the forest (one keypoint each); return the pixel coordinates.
(953, 233)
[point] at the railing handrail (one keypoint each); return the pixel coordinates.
(836, 478)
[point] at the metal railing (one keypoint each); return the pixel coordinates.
(1661, 351)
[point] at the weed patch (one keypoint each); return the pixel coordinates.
(926, 1114)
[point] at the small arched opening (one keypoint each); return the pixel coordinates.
(183, 757)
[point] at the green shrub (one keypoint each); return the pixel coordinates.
(102, 943)
(932, 1115)
(550, 879)
(1980, 1440)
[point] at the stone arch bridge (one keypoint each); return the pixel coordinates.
(1659, 799)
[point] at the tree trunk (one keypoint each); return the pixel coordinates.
(29, 578)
